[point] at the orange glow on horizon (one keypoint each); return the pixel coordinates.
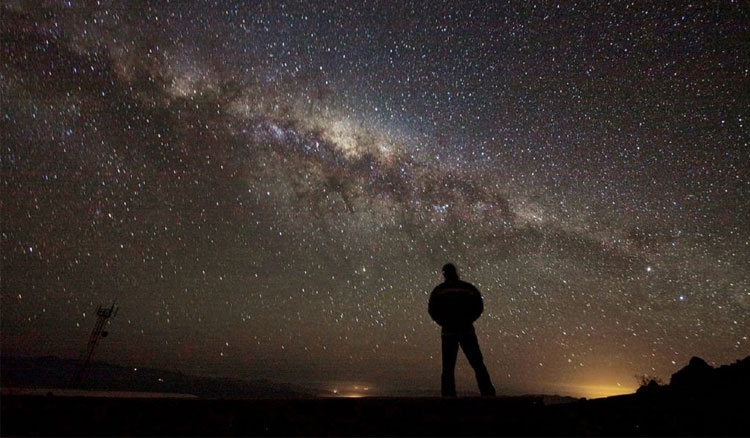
(601, 391)
(594, 390)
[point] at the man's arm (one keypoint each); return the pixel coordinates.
(478, 303)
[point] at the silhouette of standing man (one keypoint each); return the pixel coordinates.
(455, 305)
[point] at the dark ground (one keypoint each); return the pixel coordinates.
(631, 415)
(699, 400)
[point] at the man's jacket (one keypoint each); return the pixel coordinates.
(455, 305)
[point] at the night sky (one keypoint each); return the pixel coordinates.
(269, 189)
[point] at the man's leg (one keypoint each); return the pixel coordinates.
(470, 345)
(448, 379)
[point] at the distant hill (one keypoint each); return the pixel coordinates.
(54, 372)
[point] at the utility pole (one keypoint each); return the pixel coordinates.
(102, 315)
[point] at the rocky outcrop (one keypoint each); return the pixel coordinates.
(699, 376)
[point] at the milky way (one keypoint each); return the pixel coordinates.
(269, 189)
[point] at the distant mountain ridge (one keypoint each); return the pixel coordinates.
(55, 372)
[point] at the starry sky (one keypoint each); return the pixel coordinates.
(269, 189)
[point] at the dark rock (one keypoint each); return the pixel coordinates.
(697, 374)
(651, 388)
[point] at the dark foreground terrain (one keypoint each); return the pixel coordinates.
(643, 415)
(698, 401)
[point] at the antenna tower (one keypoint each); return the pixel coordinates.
(102, 315)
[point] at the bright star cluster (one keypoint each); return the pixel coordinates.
(269, 189)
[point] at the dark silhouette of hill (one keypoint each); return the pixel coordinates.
(699, 401)
(54, 372)
(698, 378)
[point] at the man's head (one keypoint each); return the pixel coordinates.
(449, 272)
